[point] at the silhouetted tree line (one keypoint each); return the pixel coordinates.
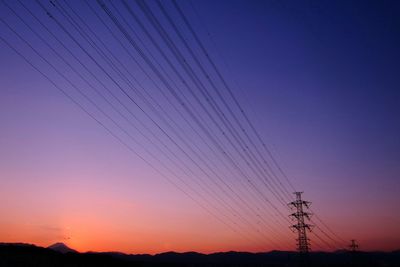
(29, 255)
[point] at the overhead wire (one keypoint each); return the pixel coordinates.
(225, 192)
(238, 104)
(230, 92)
(233, 142)
(243, 220)
(199, 85)
(270, 172)
(150, 64)
(171, 65)
(85, 110)
(109, 131)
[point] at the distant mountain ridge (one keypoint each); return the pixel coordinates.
(58, 255)
(61, 247)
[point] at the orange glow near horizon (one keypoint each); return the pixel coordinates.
(145, 214)
(90, 219)
(106, 233)
(166, 147)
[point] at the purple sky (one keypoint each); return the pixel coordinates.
(319, 79)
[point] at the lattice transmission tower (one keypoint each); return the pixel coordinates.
(353, 246)
(301, 216)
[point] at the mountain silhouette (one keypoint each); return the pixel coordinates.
(57, 255)
(61, 247)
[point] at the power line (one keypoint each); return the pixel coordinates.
(121, 88)
(133, 43)
(214, 173)
(233, 141)
(192, 76)
(275, 180)
(229, 90)
(237, 102)
(93, 116)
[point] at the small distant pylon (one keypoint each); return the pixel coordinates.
(353, 246)
(303, 243)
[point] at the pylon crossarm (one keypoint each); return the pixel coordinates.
(308, 215)
(309, 227)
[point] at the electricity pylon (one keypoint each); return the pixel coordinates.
(353, 246)
(303, 243)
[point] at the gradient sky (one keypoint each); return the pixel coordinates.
(320, 79)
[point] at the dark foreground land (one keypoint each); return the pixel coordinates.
(16, 255)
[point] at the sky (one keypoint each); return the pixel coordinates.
(319, 80)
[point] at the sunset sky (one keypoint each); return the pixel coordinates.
(319, 80)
